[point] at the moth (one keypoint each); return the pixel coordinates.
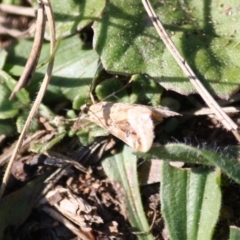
(132, 123)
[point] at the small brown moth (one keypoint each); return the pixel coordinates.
(132, 123)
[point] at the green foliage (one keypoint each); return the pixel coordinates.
(122, 167)
(72, 16)
(203, 32)
(190, 202)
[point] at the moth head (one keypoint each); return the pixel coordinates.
(85, 108)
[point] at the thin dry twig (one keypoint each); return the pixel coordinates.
(8, 153)
(47, 77)
(66, 223)
(209, 100)
(35, 52)
(14, 32)
(18, 10)
(208, 111)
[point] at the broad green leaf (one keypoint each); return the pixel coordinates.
(16, 206)
(234, 233)
(176, 152)
(226, 160)
(190, 202)
(122, 168)
(203, 32)
(74, 68)
(9, 109)
(72, 16)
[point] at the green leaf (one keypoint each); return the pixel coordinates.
(226, 160)
(128, 43)
(145, 90)
(105, 90)
(9, 109)
(72, 16)
(45, 112)
(21, 119)
(234, 233)
(190, 202)
(74, 68)
(122, 168)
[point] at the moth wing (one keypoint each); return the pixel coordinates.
(106, 114)
(140, 119)
(130, 123)
(159, 113)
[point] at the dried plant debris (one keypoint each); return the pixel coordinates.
(74, 208)
(84, 202)
(15, 22)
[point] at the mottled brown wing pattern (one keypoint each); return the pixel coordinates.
(132, 123)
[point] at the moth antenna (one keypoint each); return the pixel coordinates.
(86, 109)
(119, 90)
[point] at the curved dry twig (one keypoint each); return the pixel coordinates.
(35, 52)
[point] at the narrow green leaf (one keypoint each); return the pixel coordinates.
(176, 152)
(227, 160)
(42, 147)
(122, 168)
(190, 202)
